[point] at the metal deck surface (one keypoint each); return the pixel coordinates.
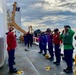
(33, 63)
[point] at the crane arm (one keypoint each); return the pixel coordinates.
(13, 23)
(17, 27)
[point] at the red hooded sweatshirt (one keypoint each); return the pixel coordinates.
(11, 41)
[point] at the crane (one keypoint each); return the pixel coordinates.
(12, 22)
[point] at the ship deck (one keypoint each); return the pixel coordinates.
(33, 63)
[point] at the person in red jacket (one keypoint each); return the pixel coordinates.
(56, 41)
(11, 45)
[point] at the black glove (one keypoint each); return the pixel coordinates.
(75, 37)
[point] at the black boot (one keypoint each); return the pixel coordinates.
(70, 70)
(63, 58)
(51, 59)
(14, 70)
(40, 52)
(65, 69)
(44, 54)
(57, 63)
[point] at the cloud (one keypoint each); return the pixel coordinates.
(59, 5)
(47, 13)
(51, 21)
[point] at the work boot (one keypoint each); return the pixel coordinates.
(51, 59)
(69, 70)
(65, 69)
(63, 58)
(44, 54)
(56, 63)
(40, 52)
(14, 70)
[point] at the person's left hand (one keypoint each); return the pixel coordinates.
(75, 37)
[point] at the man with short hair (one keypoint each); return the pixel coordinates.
(50, 43)
(67, 38)
(11, 45)
(43, 43)
(56, 41)
(29, 37)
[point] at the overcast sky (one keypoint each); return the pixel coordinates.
(42, 14)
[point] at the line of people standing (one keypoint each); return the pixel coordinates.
(54, 39)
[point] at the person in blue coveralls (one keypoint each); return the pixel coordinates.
(50, 43)
(43, 43)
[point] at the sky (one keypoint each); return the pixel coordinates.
(43, 14)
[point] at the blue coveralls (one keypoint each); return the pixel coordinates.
(50, 45)
(43, 43)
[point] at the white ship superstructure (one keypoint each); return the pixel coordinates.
(3, 30)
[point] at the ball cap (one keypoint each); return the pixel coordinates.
(55, 30)
(48, 30)
(67, 26)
